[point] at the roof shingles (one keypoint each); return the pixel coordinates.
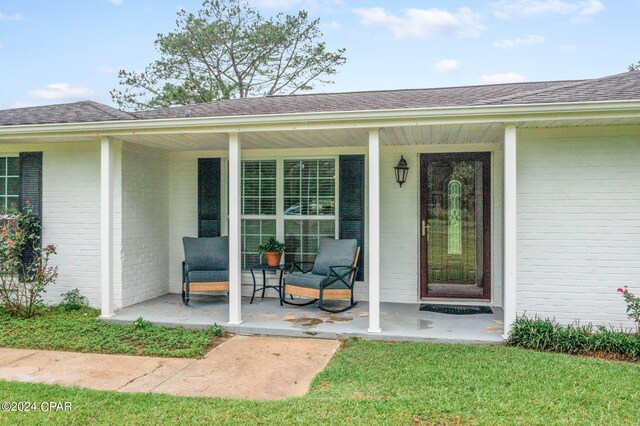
(625, 86)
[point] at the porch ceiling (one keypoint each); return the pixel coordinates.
(402, 135)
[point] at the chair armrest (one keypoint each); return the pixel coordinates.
(334, 275)
(300, 266)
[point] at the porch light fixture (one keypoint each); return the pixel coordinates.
(401, 171)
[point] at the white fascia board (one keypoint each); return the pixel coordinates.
(333, 120)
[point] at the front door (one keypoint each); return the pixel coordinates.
(454, 225)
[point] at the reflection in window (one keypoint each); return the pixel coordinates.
(309, 187)
(254, 233)
(454, 192)
(9, 184)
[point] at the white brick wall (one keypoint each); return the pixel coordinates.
(399, 215)
(578, 222)
(71, 214)
(183, 209)
(145, 223)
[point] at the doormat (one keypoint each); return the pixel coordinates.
(456, 309)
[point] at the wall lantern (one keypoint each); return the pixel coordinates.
(401, 171)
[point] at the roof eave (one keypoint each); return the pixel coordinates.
(507, 114)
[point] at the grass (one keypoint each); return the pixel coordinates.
(80, 331)
(371, 383)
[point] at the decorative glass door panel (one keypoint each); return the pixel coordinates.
(455, 208)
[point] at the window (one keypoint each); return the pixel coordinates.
(258, 207)
(309, 205)
(455, 226)
(9, 184)
(259, 188)
(297, 207)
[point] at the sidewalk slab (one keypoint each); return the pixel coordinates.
(246, 367)
(254, 367)
(7, 356)
(95, 371)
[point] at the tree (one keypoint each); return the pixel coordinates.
(635, 67)
(229, 50)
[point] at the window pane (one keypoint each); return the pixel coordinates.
(309, 187)
(13, 186)
(254, 233)
(13, 166)
(12, 204)
(3, 185)
(327, 168)
(259, 187)
(3, 166)
(268, 169)
(302, 236)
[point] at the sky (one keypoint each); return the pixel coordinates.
(66, 51)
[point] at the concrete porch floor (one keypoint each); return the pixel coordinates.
(399, 321)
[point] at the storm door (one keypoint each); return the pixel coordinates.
(454, 225)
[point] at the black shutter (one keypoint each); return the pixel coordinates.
(31, 193)
(31, 182)
(352, 203)
(209, 220)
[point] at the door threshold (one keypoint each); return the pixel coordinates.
(453, 301)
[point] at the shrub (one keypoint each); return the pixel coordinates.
(548, 335)
(142, 324)
(73, 300)
(217, 330)
(633, 305)
(24, 265)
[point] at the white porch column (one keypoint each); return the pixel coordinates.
(106, 227)
(235, 272)
(510, 228)
(374, 231)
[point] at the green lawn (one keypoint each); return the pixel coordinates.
(387, 383)
(80, 331)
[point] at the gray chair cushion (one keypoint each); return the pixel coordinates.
(334, 253)
(310, 280)
(207, 253)
(208, 276)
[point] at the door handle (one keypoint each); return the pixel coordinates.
(425, 228)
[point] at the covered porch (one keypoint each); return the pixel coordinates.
(400, 321)
(389, 293)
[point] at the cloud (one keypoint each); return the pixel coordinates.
(22, 104)
(105, 69)
(448, 66)
(579, 10)
(116, 2)
(499, 78)
(14, 17)
(527, 40)
(61, 91)
(331, 25)
(425, 23)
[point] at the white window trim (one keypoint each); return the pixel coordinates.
(280, 217)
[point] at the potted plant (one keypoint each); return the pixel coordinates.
(272, 250)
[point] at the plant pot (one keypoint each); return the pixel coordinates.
(273, 258)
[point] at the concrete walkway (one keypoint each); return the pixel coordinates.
(246, 367)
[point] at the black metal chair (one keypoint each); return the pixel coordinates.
(206, 265)
(331, 276)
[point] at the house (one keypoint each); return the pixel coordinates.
(523, 196)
